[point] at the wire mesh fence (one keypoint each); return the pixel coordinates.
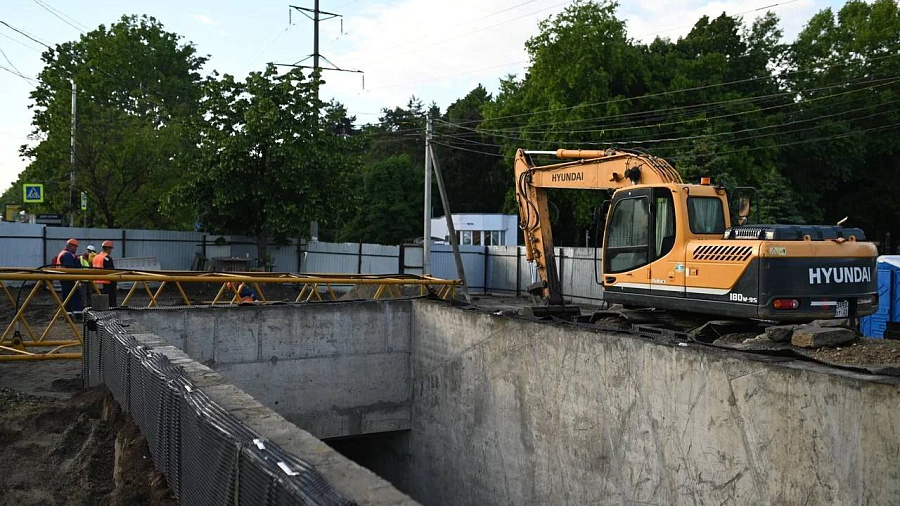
(206, 454)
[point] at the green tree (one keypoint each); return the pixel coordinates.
(391, 191)
(138, 86)
(475, 176)
(844, 68)
(267, 163)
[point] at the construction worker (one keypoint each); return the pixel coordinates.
(104, 260)
(87, 259)
(243, 291)
(67, 259)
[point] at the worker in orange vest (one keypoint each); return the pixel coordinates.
(66, 258)
(104, 260)
(243, 291)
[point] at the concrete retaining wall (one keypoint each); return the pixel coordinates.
(350, 480)
(508, 411)
(336, 369)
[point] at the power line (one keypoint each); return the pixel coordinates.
(670, 92)
(4, 23)
(467, 149)
(673, 123)
(11, 64)
(652, 141)
(795, 143)
(736, 139)
(18, 74)
(690, 157)
(19, 42)
(59, 15)
(652, 116)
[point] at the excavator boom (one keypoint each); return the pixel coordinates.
(592, 170)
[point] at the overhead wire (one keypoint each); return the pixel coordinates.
(59, 15)
(30, 80)
(736, 139)
(700, 155)
(891, 80)
(35, 39)
(794, 143)
(651, 115)
(670, 92)
(11, 64)
(19, 42)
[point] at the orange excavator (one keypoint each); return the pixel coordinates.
(670, 245)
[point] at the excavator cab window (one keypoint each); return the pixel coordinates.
(706, 215)
(627, 237)
(664, 229)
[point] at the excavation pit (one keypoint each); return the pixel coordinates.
(458, 406)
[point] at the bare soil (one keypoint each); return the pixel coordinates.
(57, 447)
(863, 352)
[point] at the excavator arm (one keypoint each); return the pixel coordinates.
(590, 170)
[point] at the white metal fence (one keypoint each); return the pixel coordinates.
(489, 269)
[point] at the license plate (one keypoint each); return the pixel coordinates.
(842, 310)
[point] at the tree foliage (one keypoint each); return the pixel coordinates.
(267, 163)
(137, 90)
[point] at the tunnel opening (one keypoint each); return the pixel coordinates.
(388, 454)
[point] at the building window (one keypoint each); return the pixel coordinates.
(466, 237)
(476, 238)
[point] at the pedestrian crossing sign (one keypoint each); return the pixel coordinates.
(32, 193)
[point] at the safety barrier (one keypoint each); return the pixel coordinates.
(206, 454)
(14, 345)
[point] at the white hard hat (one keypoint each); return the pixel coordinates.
(91, 247)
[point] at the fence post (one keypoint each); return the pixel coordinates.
(562, 272)
(485, 276)
(518, 272)
(359, 258)
(401, 259)
(123, 243)
(44, 245)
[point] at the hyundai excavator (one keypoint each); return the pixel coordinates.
(670, 245)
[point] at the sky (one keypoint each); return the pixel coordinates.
(437, 50)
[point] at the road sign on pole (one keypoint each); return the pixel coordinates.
(32, 193)
(83, 201)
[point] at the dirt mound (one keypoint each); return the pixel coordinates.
(83, 451)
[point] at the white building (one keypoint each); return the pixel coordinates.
(479, 229)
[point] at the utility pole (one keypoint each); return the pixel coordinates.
(316, 17)
(426, 244)
(451, 230)
(72, 163)
(316, 35)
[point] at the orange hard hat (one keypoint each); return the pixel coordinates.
(107, 244)
(73, 242)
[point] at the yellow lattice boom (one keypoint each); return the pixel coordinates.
(34, 345)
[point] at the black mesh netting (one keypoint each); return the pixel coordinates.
(207, 455)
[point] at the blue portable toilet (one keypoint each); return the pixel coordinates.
(888, 298)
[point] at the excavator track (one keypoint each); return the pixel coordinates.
(730, 336)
